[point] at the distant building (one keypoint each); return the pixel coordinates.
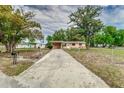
(68, 44)
(30, 45)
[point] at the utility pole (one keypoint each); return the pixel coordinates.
(112, 54)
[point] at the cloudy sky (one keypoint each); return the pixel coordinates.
(53, 18)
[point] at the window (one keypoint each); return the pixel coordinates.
(73, 44)
(80, 44)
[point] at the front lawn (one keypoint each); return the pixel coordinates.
(14, 70)
(28, 57)
(106, 63)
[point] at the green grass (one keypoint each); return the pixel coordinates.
(99, 61)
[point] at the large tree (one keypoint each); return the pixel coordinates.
(17, 25)
(86, 18)
(74, 34)
(70, 34)
(59, 35)
(103, 39)
(110, 33)
(110, 36)
(119, 38)
(49, 39)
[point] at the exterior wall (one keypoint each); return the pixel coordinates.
(25, 46)
(42, 46)
(83, 45)
(21, 46)
(68, 44)
(30, 46)
(76, 45)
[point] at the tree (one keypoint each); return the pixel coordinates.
(86, 18)
(71, 34)
(16, 25)
(119, 38)
(110, 33)
(74, 34)
(1, 36)
(106, 37)
(59, 35)
(49, 39)
(99, 39)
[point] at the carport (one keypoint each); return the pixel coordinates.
(57, 44)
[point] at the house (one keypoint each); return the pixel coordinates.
(74, 44)
(68, 44)
(30, 45)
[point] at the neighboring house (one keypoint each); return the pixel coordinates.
(30, 45)
(43, 46)
(68, 44)
(2, 48)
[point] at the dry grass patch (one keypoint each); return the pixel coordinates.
(33, 53)
(100, 62)
(14, 70)
(29, 57)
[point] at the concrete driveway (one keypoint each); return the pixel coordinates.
(59, 69)
(8, 82)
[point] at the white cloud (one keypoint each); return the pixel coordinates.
(115, 16)
(53, 18)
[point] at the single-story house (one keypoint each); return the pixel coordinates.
(68, 44)
(74, 44)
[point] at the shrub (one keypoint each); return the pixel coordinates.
(49, 45)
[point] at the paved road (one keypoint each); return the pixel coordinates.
(59, 69)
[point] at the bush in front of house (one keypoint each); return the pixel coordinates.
(49, 45)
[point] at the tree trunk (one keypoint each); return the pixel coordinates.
(87, 42)
(10, 47)
(7, 47)
(104, 45)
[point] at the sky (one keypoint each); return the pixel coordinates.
(53, 17)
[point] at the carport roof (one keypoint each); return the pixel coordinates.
(56, 41)
(68, 42)
(74, 42)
